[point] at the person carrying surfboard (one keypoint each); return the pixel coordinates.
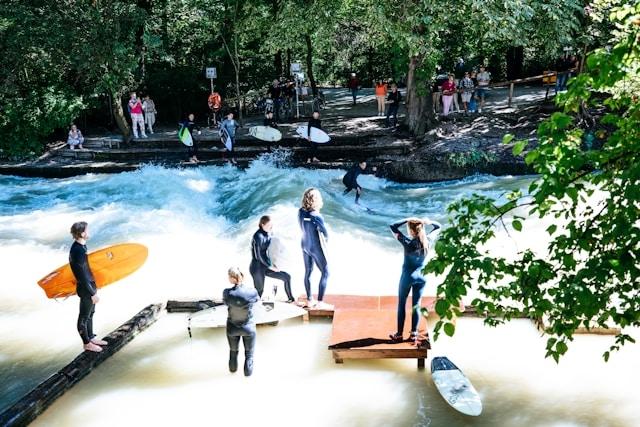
(261, 264)
(314, 235)
(315, 122)
(240, 300)
(85, 286)
(228, 129)
(411, 280)
(350, 179)
(190, 126)
(269, 121)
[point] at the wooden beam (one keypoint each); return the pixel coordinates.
(190, 306)
(40, 398)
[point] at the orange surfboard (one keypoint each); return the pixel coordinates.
(108, 265)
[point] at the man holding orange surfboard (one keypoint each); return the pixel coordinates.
(85, 287)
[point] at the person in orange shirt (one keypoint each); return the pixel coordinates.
(381, 95)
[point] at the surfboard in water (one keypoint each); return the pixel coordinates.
(318, 136)
(185, 136)
(108, 265)
(265, 133)
(455, 387)
(216, 317)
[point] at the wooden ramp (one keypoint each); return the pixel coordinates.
(361, 302)
(362, 324)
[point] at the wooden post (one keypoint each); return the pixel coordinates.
(510, 94)
(40, 398)
(420, 364)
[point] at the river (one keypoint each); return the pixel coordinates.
(197, 223)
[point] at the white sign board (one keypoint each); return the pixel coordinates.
(211, 73)
(295, 67)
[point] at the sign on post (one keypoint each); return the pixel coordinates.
(295, 67)
(211, 73)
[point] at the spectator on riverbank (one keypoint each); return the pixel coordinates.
(393, 102)
(466, 87)
(75, 138)
(275, 91)
(137, 119)
(381, 94)
(228, 129)
(149, 108)
(353, 85)
(484, 78)
(448, 92)
(215, 104)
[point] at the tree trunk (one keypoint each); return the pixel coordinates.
(288, 69)
(312, 80)
(237, 60)
(515, 62)
(419, 104)
(118, 114)
(277, 63)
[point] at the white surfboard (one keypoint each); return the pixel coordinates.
(276, 251)
(318, 136)
(455, 387)
(265, 133)
(216, 317)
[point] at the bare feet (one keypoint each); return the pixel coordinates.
(311, 303)
(92, 347)
(97, 341)
(81, 147)
(321, 305)
(308, 160)
(315, 160)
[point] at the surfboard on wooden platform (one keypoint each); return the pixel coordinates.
(455, 387)
(265, 133)
(216, 317)
(108, 265)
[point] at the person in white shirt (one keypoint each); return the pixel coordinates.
(484, 78)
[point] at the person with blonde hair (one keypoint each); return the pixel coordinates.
(412, 279)
(314, 234)
(240, 300)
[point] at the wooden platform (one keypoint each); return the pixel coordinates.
(361, 302)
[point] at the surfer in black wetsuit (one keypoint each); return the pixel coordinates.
(189, 123)
(314, 233)
(350, 179)
(240, 300)
(261, 264)
(314, 122)
(85, 286)
(269, 121)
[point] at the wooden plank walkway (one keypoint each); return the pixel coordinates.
(361, 302)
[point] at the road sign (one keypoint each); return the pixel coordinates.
(296, 67)
(211, 73)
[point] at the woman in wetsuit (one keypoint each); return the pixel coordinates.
(85, 286)
(412, 280)
(240, 300)
(261, 264)
(313, 233)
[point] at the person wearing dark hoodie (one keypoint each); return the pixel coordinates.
(261, 264)
(240, 301)
(314, 122)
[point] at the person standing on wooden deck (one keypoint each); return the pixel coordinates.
(314, 237)
(411, 279)
(261, 264)
(228, 129)
(85, 286)
(190, 125)
(240, 300)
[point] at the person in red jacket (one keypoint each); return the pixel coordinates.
(353, 84)
(448, 91)
(137, 118)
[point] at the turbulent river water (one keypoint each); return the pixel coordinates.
(197, 223)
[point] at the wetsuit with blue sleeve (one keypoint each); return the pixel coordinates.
(312, 225)
(411, 279)
(85, 288)
(261, 264)
(240, 301)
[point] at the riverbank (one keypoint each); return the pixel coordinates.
(457, 147)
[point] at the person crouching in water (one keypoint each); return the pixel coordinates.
(314, 233)
(85, 286)
(350, 179)
(261, 264)
(240, 300)
(412, 279)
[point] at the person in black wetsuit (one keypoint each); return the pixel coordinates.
(240, 300)
(411, 279)
(85, 286)
(314, 122)
(261, 264)
(350, 179)
(314, 232)
(189, 123)
(269, 121)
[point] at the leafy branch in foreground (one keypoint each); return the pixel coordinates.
(587, 274)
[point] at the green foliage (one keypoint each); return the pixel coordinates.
(474, 157)
(589, 274)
